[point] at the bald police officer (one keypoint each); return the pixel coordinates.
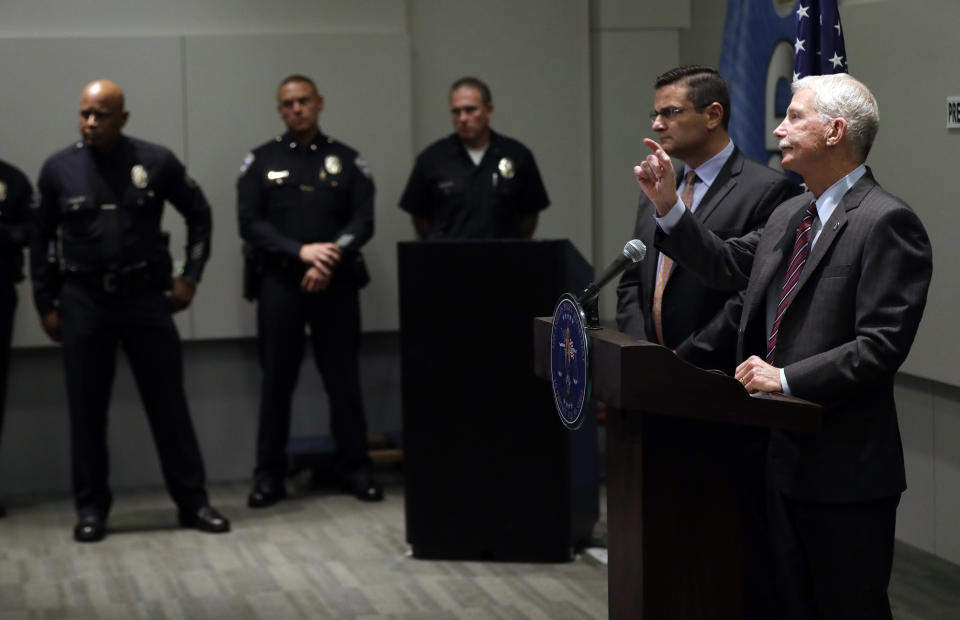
(105, 284)
(305, 208)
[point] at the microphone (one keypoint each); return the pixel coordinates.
(633, 252)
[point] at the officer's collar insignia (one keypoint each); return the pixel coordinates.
(506, 168)
(138, 174)
(3, 191)
(277, 175)
(332, 164)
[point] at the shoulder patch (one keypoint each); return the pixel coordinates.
(364, 167)
(246, 163)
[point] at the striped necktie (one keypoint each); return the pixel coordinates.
(666, 266)
(801, 249)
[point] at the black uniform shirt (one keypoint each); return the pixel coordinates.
(108, 207)
(469, 201)
(290, 195)
(15, 196)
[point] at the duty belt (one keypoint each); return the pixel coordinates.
(130, 278)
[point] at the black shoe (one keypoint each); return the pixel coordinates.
(89, 528)
(266, 493)
(362, 485)
(205, 519)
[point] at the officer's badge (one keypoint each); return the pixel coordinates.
(506, 168)
(138, 174)
(332, 164)
(3, 191)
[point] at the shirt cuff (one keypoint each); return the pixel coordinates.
(784, 386)
(668, 221)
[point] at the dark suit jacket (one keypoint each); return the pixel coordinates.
(741, 198)
(847, 330)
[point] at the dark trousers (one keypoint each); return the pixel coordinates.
(93, 323)
(8, 303)
(833, 561)
(333, 315)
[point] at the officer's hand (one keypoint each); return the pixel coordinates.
(314, 281)
(51, 324)
(323, 256)
(182, 293)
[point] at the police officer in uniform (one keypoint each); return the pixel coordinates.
(15, 195)
(305, 207)
(105, 283)
(475, 183)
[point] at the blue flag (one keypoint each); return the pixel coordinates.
(818, 48)
(757, 63)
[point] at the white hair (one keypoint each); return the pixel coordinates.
(839, 95)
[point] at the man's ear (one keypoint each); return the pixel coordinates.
(836, 130)
(714, 115)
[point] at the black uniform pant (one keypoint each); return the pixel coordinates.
(283, 310)
(93, 322)
(833, 561)
(8, 303)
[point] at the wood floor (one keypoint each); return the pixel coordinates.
(318, 555)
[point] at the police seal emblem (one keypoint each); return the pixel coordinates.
(332, 164)
(3, 191)
(506, 168)
(570, 361)
(138, 174)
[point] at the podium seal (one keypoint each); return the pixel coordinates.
(570, 361)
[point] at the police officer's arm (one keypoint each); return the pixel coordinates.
(534, 197)
(359, 228)
(44, 257)
(187, 198)
(415, 200)
(15, 223)
(422, 225)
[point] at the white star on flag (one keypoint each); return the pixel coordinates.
(798, 46)
(802, 12)
(837, 60)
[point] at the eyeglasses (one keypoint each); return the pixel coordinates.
(668, 113)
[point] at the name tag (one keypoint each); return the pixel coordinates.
(276, 175)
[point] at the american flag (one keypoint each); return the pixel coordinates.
(818, 48)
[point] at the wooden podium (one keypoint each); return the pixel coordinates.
(676, 472)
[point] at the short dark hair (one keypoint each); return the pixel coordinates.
(477, 83)
(704, 86)
(296, 77)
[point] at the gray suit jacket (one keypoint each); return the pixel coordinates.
(847, 330)
(741, 198)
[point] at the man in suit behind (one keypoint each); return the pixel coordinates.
(731, 195)
(835, 287)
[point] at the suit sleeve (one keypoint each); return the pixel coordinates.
(890, 295)
(723, 265)
(188, 199)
